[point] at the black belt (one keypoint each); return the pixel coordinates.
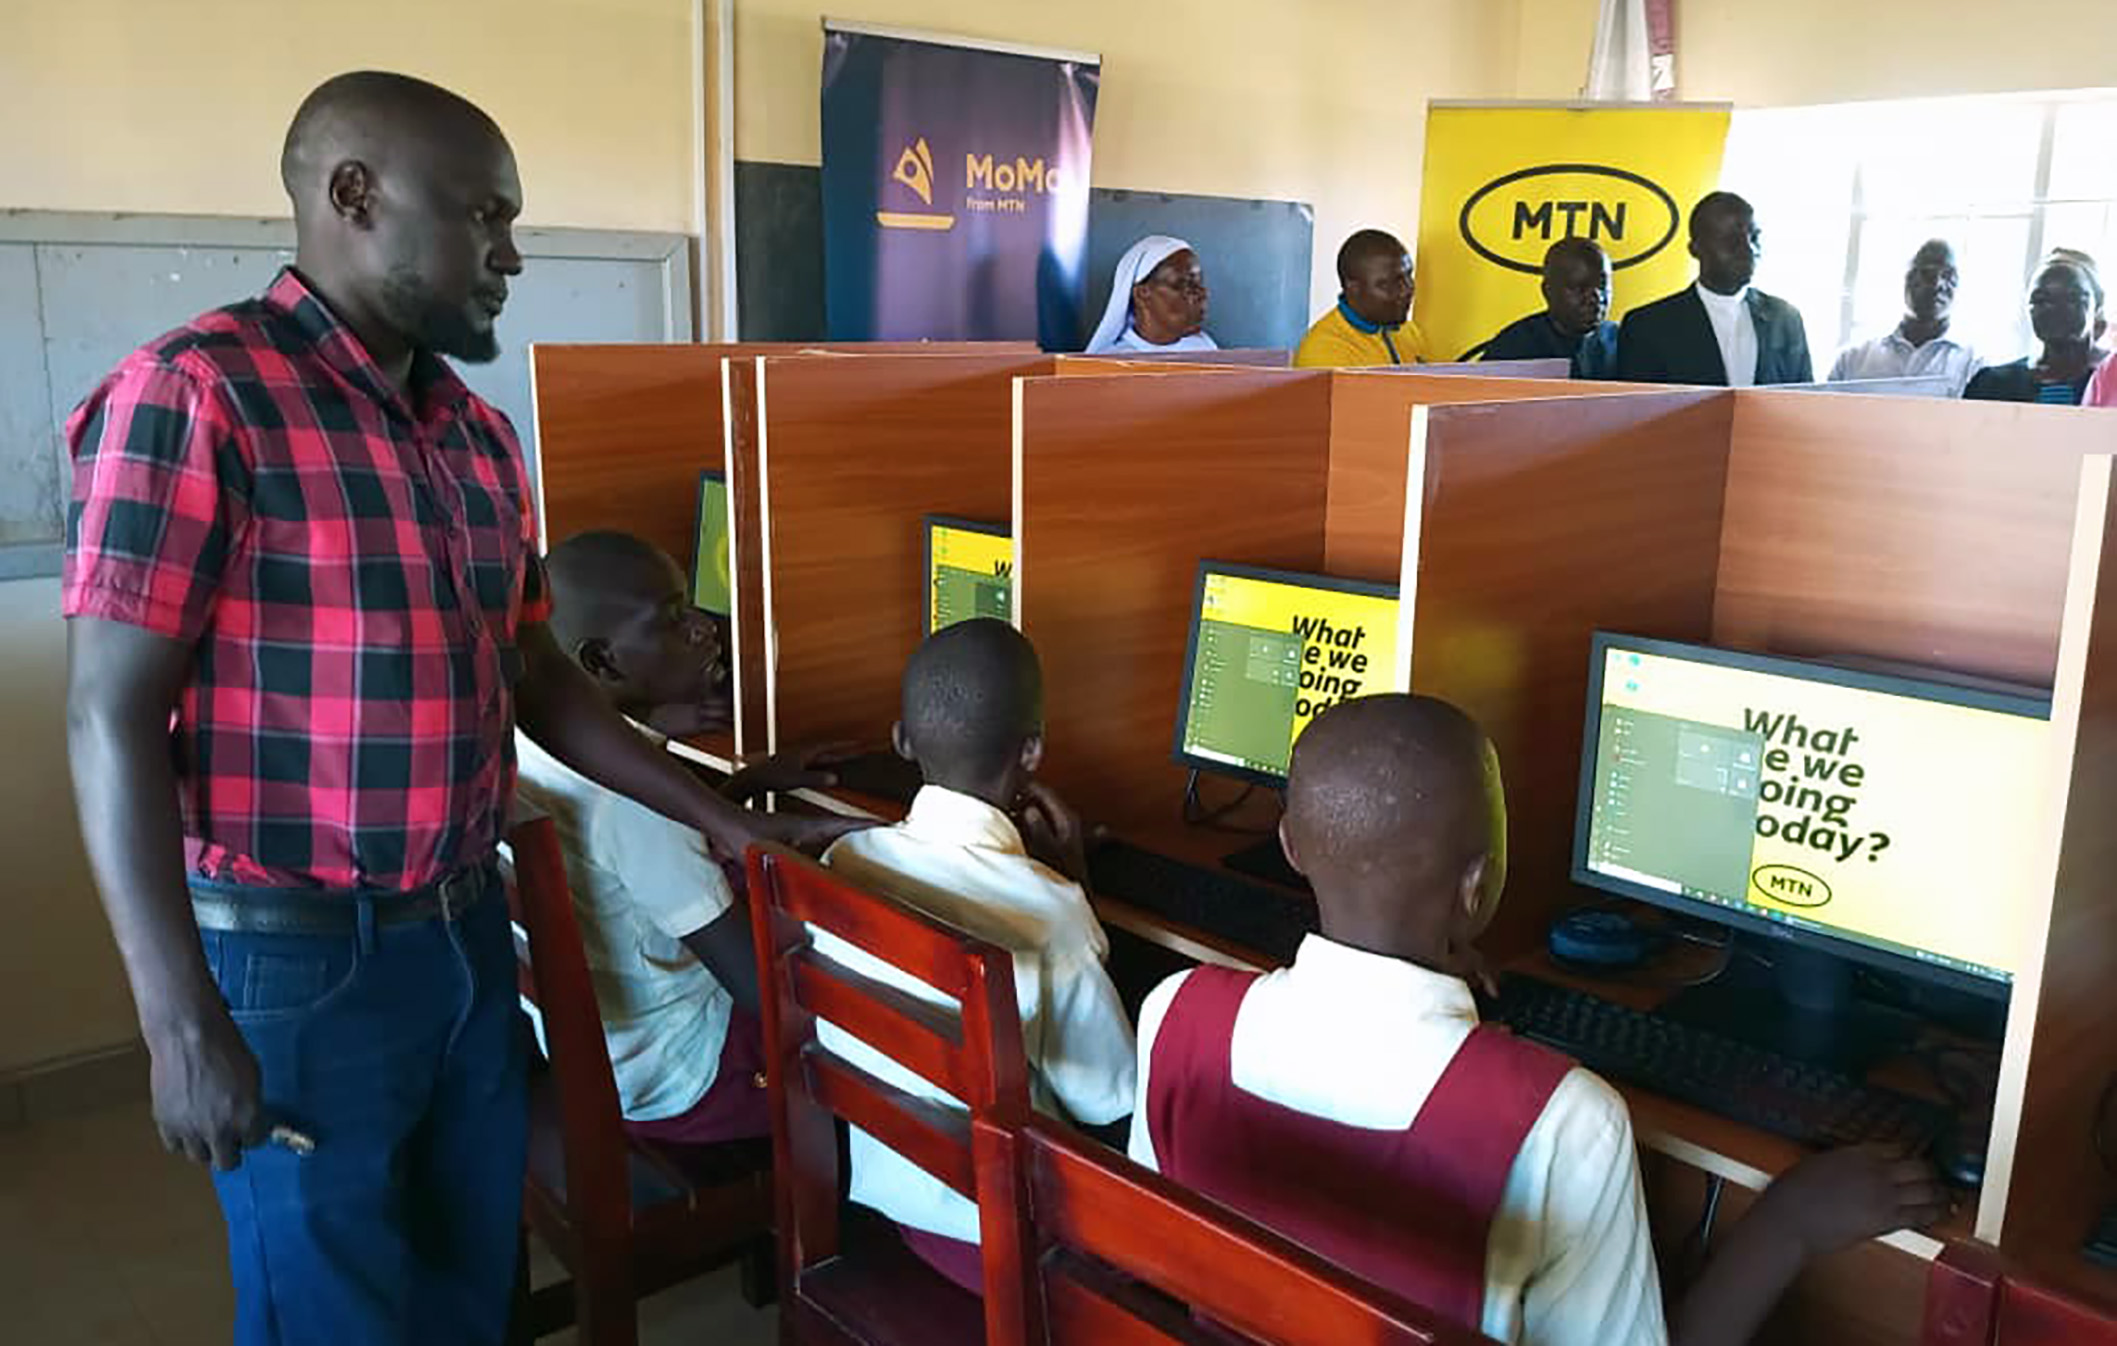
(282, 911)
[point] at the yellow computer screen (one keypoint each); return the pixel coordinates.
(1882, 811)
(711, 586)
(969, 571)
(1270, 651)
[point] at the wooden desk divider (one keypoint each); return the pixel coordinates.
(1526, 526)
(622, 432)
(1557, 368)
(852, 453)
(1241, 357)
(1974, 537)
(1123, 483)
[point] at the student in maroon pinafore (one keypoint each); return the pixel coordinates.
(1354, 1102)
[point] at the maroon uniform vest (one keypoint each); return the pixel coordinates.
(1409, 1210)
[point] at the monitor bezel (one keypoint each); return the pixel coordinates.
(1837, 945)
(712, 476)
(928, 523)
(1298, 578)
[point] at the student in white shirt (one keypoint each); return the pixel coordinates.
(989, 849)
(1919, 345)
(1312, 1108)
(667, 943)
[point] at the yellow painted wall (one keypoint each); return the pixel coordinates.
(1320, 101)
(139, 105)
(1832, 51)
(1793, 52)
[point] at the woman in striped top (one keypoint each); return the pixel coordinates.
(2065, 308)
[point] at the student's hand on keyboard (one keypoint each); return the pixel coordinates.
(1052, 831)
(804, 768)
(712, 715)
(1836, 1199)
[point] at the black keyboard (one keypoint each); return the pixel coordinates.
(1246, 915)
(1813, 1105)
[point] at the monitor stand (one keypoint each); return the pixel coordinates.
(1265, 860)
(1801, 1006)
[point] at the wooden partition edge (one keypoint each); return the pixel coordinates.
(2092, 561)
(536, 437)
(770, 633)
(1408, 563)
(732, 471)
(1014, 510)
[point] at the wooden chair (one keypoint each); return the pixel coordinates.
(1974, 1299)
(625, 1217)
(858, 1282)
(1108, 1253)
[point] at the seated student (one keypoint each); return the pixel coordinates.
(1721, 331)
(1573, 324)
(1353, 1102)
(987, 848)
(667, 944)
(1920, 344)
(1157, 302)
(1372, 323)
(2065, 311)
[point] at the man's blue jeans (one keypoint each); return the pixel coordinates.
(397, 1050)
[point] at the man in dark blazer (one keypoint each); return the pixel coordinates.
(1719, 331)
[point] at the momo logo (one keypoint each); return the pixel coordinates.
(1513, 219)
(915, 171)
(1790, 886)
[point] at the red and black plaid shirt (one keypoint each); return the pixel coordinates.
(352, 569)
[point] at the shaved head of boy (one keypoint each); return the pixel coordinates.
(1395, 814)
(974, 710)
(621, 610)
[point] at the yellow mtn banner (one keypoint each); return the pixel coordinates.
(1505, 181)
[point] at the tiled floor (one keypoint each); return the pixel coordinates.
(106, 1241)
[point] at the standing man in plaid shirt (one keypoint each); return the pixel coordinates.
(305, 616)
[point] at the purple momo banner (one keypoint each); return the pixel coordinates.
(955, 189)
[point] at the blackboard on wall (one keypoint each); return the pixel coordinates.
(1256, 255)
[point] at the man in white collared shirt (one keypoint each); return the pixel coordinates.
(1919, 346)
(1324, 1099)
(973, 719)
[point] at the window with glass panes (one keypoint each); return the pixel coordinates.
(1845, 194)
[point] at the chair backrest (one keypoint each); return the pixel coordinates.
(1974, 1299)
(1108, 1253)
(553, 977)
(974, 1053)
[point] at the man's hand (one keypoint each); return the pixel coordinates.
(1053, 833)
(1834, 1200)
(712, 715)
(206, 1089)
(809, 833)
(804, 768)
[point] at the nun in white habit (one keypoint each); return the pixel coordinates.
(1157, 301)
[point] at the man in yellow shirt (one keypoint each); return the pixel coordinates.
(1371, 324)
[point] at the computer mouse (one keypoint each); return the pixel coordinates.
(1600, 938)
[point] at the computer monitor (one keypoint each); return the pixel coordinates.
(712, 587)
(1270, 650)
(1881, 819)
(969, 571)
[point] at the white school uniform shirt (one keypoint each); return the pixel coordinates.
(640, 882)
(1892, 357)
(1735, 328)
(960, 859)
(1360, 1039)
